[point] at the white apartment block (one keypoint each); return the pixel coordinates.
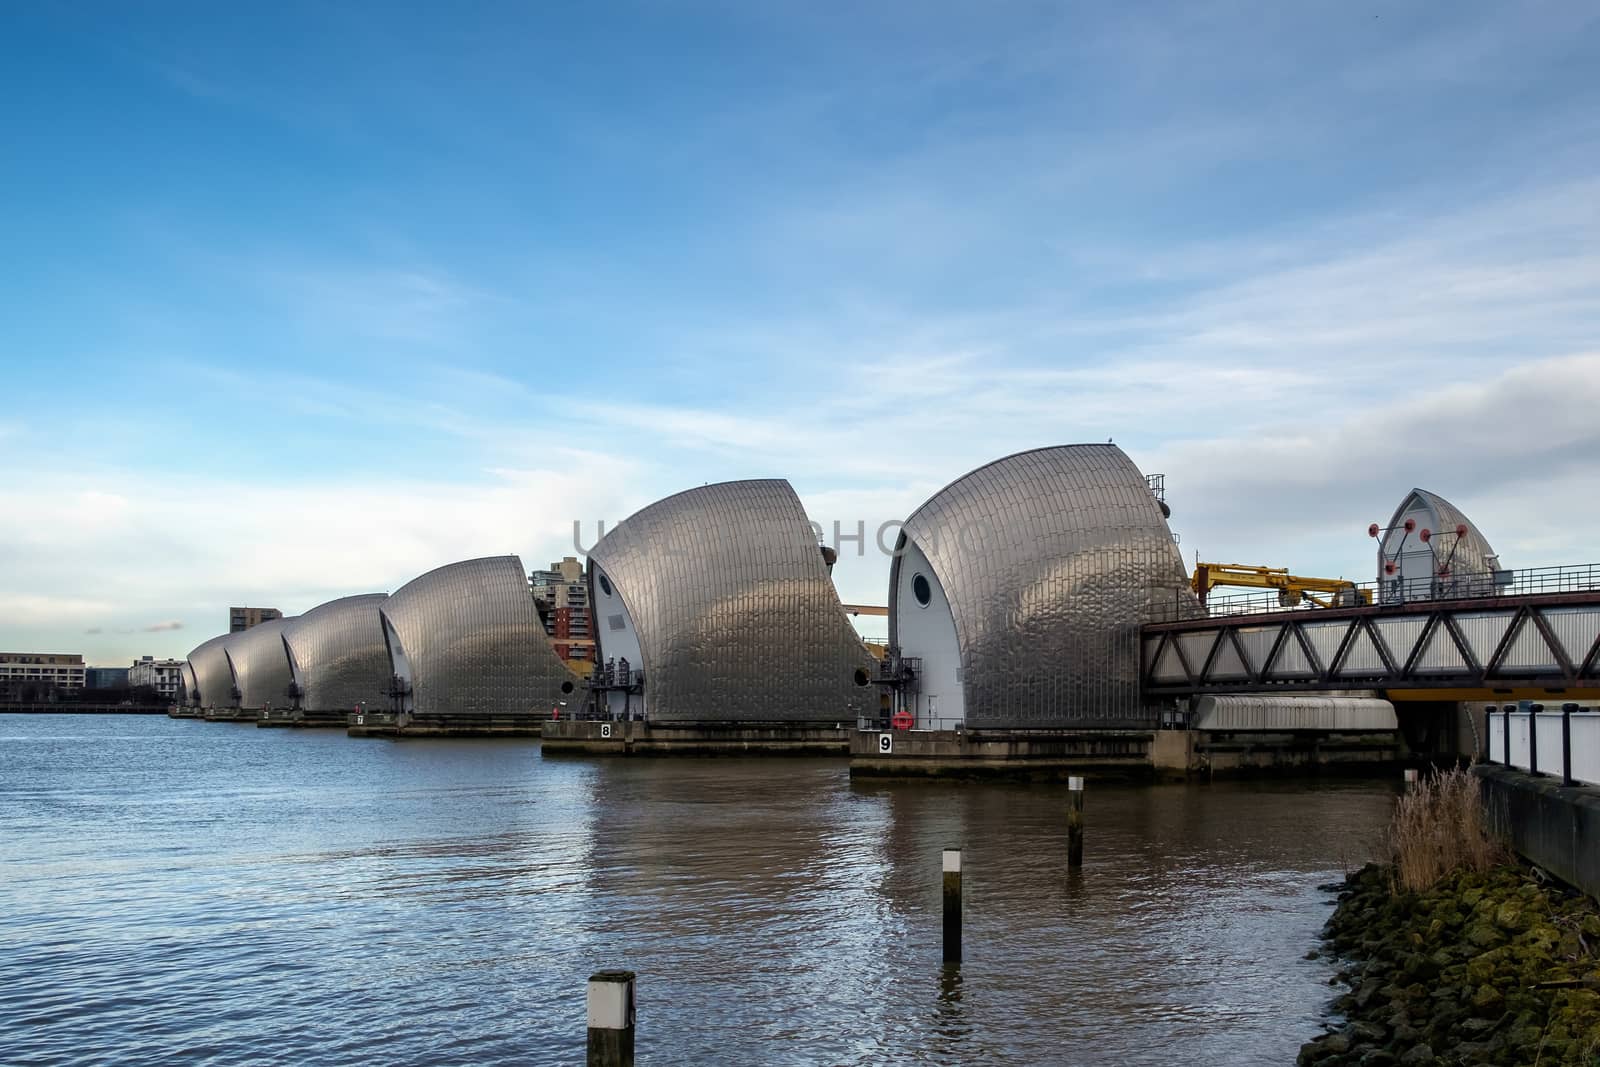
(165, 676)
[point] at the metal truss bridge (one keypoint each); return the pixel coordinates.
(1548, 637)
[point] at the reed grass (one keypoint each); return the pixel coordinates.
(1438, 829)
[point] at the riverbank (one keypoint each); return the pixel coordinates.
(1490, 968)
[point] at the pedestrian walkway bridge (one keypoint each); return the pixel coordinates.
(1540, 629)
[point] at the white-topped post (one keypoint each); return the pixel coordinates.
(952, 905)
(1074, 821)
(611, 1018)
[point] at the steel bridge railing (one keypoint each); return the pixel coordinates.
(1540, 741)
(1529, 581)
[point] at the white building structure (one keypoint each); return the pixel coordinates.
(165, 676)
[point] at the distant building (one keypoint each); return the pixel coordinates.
(562, 597)
(34, 675)
(240, 619)
(165, 676)
(105, 678)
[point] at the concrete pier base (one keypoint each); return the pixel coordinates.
(229, 715)
(1553, 826)
(1032, 754)
(1246, 753)
(576, 737)
(1159, 754)
(390, 724)
(301, 719)
(314, 720)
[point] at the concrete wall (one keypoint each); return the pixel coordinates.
(1556, 828)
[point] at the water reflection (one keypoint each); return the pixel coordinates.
(197, 892)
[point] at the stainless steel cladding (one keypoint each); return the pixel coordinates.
(337, 655)
(213, 674)
(261, 666)
(190, 697)
(723, 594)
(1455, 559)
(466, 640)
(1021, 588)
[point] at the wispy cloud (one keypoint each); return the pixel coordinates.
(163, 627)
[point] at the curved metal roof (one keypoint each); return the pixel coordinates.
(1470, 557)
(213, 674)
(336, 653)
(261, 666)
(190, 687)
(736, 616)
(1050, 559)
(472, 638)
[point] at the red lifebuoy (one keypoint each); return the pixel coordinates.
(902, 720)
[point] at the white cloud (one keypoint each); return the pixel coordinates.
(289, 547)
(1514, 450)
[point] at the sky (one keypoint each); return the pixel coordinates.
(303, 300)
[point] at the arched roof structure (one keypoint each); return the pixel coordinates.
(722, 596)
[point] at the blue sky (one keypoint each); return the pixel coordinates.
(306, 300)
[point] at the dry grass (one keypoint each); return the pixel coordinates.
(1440, 828)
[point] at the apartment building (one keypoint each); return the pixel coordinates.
(562, 596)
(31, 675)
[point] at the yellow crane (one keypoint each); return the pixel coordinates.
(1293, 590)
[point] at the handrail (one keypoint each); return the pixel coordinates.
(1528, 581)
(1538, 766)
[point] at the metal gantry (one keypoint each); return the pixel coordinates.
(1550, 640)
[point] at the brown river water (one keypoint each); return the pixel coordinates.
(190, 892)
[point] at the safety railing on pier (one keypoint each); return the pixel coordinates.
(1529, 581)
(1563, 743)
(881, 723)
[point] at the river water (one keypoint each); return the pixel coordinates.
(174, 891)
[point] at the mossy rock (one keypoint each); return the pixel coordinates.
(1512, 916)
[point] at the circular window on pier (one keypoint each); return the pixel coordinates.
(605, 585)
(921, 589)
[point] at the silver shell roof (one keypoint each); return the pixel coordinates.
(260, 665)
(474, 642)
(1471, 557)
(736, 616)
(1051, 560)
(190, 686)
(213, 674)
(336, 653)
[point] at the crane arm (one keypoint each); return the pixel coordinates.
(1292, 588)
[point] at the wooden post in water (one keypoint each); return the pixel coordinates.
(1411, 779)
(952, 905)
(611, 1019)
(1074, 822)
